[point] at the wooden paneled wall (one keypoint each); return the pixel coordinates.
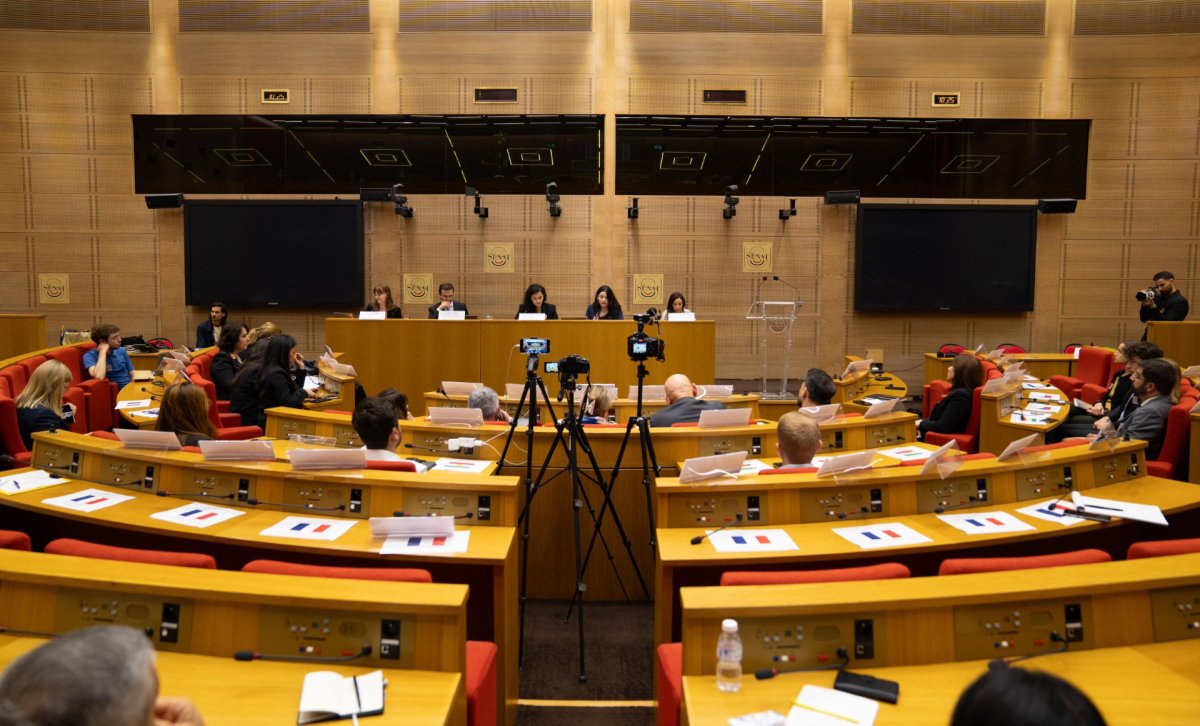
(68, 83)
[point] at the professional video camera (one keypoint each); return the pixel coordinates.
(642, 346)
(1147, 294)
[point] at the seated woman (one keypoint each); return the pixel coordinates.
(40, 406)
(383, 302)
(184, 412)
(952, 414)
(268, 383)
(266, 331)
(597, 406)
(676, 303)
(227, 362)
(605, 306)
(535, 302)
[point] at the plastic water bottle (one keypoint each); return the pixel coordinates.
(729, 657)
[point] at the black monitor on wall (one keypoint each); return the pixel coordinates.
(274, 252)
(945, 258)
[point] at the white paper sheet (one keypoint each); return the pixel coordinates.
(751, 540)
(905, 453)
(318, 528)
(1044, 512)
(198, 515)
(140, 403)
(461, 466)
(30, 481)
(456, 543)
(145, 413)
(819, 706)
(884, 534)
(88, 500)
(985, 522)
(1028, 418)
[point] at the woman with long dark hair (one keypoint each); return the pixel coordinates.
(268, 382)
(381, 301)
(604, 305)
(952, 414)
(535, 302)
(227, 362)
(184, 412)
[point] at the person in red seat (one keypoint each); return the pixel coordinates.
(683, 406)
(953, 413)
(375, 423)
(40, 406)
(184, 412)
(227, 362)
(108, 359)
(799, 440)
(93, 676)
(1153, 382)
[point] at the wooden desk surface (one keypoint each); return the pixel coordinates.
(268, 692)
(1042, 365)
(1156, 683)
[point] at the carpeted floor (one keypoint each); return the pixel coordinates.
(532, 716)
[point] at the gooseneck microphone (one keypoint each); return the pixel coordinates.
(310, 506)
(468, 515)
(198, 495)
(941, 508)
(737, 519)
(248, 655)
(1064, 646)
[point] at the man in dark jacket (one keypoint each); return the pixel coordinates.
(209, 332)
(684, 406)
(1167, 304)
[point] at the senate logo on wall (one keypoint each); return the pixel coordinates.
(758, 256)
(647, 289)
(498, 257)
(54, 289)
(418, 288)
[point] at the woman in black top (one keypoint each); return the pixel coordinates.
(605, 306)
(952, 414)
(227, 362)
(535, 302)
(40, 405)
(268, 383)
(382, 295)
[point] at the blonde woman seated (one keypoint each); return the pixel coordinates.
(597, 406)
(40, 406)
(184, 412)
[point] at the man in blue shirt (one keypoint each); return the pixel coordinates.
(108, 359)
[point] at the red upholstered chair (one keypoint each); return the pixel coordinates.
(990, 370)
(106, 435)
(226, 431)
(79, 548)
(968, 441)
(480, 657)
(99, 395)
(1172, 461)
(949, 350)
(1092, 367)
(968, 565)
(799, 470)
(30, 364)
(11, 540)
(392, 465)
(10, 434)
(1162, 548)
(669, 660)
(204, 363)
(1010, 348)
(934, 392)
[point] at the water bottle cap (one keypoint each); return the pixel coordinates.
(729, 625)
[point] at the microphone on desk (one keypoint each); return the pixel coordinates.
(310, 506)
(1079, 510)
(997, 663)
(700, 538)
(763, 674)
(249, 655)
(941, 508)
(428, 448)
(468, 515)
(847, 515)
(162, 493)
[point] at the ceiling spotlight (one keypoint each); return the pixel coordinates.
(401, 201)
(632, 212)
(730, 210)
(553, 198)
(784, 214)
(480, 211)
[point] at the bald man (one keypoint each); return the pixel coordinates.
(799, 440)
(683, 406)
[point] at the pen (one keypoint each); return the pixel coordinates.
(358, 699)
(1098, 506)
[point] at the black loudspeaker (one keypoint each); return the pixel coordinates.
(164, 201)
(375, 195)
(1057, 206)
(850, 196)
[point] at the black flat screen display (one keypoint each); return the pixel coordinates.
(258, 253)
(953, 258)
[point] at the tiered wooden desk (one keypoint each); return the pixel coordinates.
(996, 431)
(623, 408)
(1042, 365)
(197, 620)
(858, 386)
(1180, 341)
(417, 355)
(19, 333)
(1132, 628)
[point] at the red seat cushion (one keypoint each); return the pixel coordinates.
(79, 548)
(967, 565)
(390, 574)
(669, 665)
(11, 540)
(481, 683)
(391, 465)
(1162, 548)
(884, 571)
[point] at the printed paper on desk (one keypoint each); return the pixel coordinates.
(985, 522)
(680, 317)
(1148, 513)
(410, 526)
(461, 466)
(140, 403)
(751, 540)
(700, 468)
(1043, 408)
(823, 413)
(309, 528)
(1044, 512)
(531, 316)
(935, 460)
(454, 544)
(328, 458)
(753, 466)
(198, 515)
(1028, 418)
(819, 706)
(844, 463)
(878, 409)
(1034, 386)
(460, 388)
(716, 418)
(448, 416)
(760, 718)
(144, 413)
(1046, 396)
(372, 315)
(905, 453)
(88, 500)
(157, 440)
(30, 481)
(237, 450)
(452, 315)
(878, 536)
(1012, 449)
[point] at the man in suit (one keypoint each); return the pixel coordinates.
(1153, 382)
(209, 332)
(799, 439)
(683, 406)
(446, 293)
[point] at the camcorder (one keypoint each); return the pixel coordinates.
(1147, 294)
(642, 346)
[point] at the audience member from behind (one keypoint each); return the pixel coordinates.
(683, 406)
(1008, 696)
(227, 362)
(268, 383)
(98, 676)
(209, 332)
(375, 422)
(40, 405)
(398, 401)
(108, 359)
(597, 405)
(677, 303)
(486, 400)
(266, 331)
(952, 414)
(799, 440)
(381, 301)
(446, 301)
(1167, 304)
(535, 302)
(1153, 382)
(817, 389)
(605, 306)
(184, 412)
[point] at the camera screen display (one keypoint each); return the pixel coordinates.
(639, 348)
(535, 346)
(552, 366)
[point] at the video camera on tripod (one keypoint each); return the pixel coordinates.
(642, 346)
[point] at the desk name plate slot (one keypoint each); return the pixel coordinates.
(306, 632)
(794, 643)
(1021, 628)
(166, 621)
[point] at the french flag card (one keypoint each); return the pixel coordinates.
(884, 534)
(454, 544)
(197, 515)
(309, 528)
(88, 500)
(752, 540)
(985, 522)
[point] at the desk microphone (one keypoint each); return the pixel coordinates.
(310, 506)
(997, 663)
(248, 655)
(468, 515)
(847, 515)
(1079, 510)
(428, 448)
(763, 674)
(700, 538)
(951, 507)
(199, 494)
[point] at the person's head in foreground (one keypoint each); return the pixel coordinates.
(1007, 696)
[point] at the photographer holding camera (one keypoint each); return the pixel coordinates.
(1163, 301)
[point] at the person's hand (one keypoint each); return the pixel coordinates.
(1096, 409)
(176, 710)
(1092, 437)
(102, 348)
(71, 408)
(1101, 424)
(298, 359)
(1147, 303)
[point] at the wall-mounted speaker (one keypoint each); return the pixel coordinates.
(1057, 206)
(164, 201)
(375, 195)
(849, 196)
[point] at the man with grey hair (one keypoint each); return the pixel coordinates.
(799, 440)
(486, 400)
(96, 676)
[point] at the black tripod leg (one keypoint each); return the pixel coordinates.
(647, 485)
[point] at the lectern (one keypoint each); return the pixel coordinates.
(777, 317)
